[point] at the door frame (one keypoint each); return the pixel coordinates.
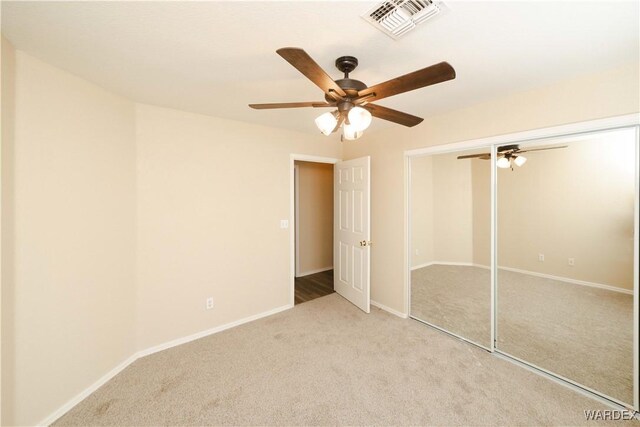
(548, 133)
(296, 218)
(293, 224)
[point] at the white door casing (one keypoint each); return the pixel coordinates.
(351, 230)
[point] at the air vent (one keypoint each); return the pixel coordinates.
(396, 18)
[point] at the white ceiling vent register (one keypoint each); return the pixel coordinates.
(396, 18)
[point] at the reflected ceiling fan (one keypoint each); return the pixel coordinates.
(508, 155)
(352, 98)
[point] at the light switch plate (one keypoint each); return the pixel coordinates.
(284, 223)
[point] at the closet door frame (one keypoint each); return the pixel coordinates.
(547, 135)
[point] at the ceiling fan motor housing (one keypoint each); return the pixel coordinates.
(512, 147)
(347, 64)
(350, 86)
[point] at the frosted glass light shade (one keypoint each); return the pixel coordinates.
(350, 133)
(520, 160)
(503, 163)
(359, 118)
(326, 123)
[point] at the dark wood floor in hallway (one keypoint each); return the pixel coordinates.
(314, 286)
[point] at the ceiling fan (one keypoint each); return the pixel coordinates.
(508, 155)
(352, 98)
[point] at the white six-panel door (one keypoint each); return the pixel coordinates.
(351, 230)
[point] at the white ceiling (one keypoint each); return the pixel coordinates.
(216, 57)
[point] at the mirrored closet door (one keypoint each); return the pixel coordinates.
(530, 249)
(565, 255)
(450, 244)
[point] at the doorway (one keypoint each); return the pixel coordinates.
(351, 231)
(313, 229)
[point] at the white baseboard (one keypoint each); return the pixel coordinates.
(427, 264)
(86, 392)
(202, 334)
(532, 273)
(388, 309)
(115, 371)
(569, 280)
(319, 270)
(423, 265)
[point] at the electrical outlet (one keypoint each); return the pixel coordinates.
(284, 223)
(541, 257)
(572, 262)
(209, 303)
(417, 251)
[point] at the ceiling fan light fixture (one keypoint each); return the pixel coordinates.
(327, 123)
(503, 163)
(350, 133)
(359, 118)
(520, 160)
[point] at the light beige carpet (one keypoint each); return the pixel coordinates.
(455, 298)
(327, 363)
(579, 332)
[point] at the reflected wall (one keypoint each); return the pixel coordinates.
(565, 251)
(450, 244)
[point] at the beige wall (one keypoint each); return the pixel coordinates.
(481, 196)
(7, 125)
(569, 203)
(610, 93)
(442, 216)
(452, 210)
(68, 257)
(422, 211)
(211, 194)
(576, 203)
(315, 217)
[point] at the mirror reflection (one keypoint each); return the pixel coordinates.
(566, 258)
(450, 244)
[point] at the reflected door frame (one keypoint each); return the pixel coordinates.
(548, 134)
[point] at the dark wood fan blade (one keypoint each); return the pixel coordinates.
(392, 115)
(483, 156)
(307, 66)
(541, 149)
(437, 73)
(290, 105)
